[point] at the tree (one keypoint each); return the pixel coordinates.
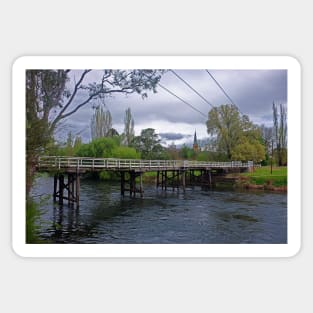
(230, 129)
(111, 82)
(148, 144)
(122, 152)
(45, 91)
(98, 148)
(280, 133)
(113, 132)
(53, 95)
(224, 124)
(249, 151)
(69, 144)
(172, 151)
(101, 123)
(77, 142)
(267, 138)
(186, 152)
(129, 131)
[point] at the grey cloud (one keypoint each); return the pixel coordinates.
(173, 136)
(253, 91)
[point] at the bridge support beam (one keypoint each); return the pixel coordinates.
(210, 179)
(158, 179)
(55, 186)
(77, 189)
(176, 179)
(140, 185)
(122, 184)
(72, 185)
(132, 175)
(184, 180)
(163, 181)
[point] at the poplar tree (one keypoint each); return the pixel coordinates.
(101, 123)
(129, 131)
(280, 132)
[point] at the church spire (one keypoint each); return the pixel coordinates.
(195, 143)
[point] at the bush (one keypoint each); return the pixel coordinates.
(125, 153)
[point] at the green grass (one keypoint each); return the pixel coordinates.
(32, 221)
(263, 176)
(266, 171)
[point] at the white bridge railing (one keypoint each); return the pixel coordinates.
(56, 162)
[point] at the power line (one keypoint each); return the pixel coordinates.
(194, 90)
(217, 83)
(173, 94)
(223, 90)
(187, 103)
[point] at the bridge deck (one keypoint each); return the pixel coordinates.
(81, 164)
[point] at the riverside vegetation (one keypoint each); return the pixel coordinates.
(262, 178)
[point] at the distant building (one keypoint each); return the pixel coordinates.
(195, 143)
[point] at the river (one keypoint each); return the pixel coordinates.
(196, 216)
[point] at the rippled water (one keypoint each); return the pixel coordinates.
(196, 216)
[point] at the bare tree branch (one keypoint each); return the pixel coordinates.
(77, 85)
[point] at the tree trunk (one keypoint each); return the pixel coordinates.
(31, 163)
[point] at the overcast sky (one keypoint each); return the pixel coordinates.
(253, 91)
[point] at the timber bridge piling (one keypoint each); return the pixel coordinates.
(169, 173)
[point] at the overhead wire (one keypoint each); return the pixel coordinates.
(223, 90)
(193, 89)
(179, 98)
(184, 101)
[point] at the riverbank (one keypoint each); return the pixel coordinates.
(262, 178)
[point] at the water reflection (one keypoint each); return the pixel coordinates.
(196, 216)
(66, 225)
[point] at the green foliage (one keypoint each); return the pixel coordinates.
(277, 181)
(84, 150)
(110, 176)
(172, 152)
(160, 153)
(69, 151)
(129, 124)
(249, 151)
(203, 156)
(235, 135)
(113, 133)
(186, 153)
(224, 123)
(45, 91)
(148, 144)
(77, 143)
(33, 218)
(267, 138)
(122, 152)
(266, 170)
(263, 176)
(70, 148)
(107, 148)
(98, 148)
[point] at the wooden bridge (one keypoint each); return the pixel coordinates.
(170, 173)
